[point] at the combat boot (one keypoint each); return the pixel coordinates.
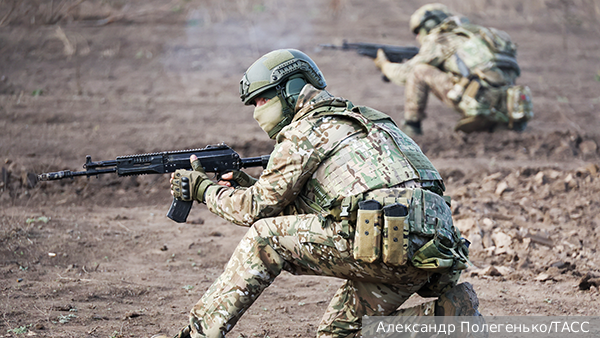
(411, 128)
(461, 300)
(184, 333)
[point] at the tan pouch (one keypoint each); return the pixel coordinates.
(456, 93)
(367, 236)
(519, 105)
(395, 234)
(472, 89)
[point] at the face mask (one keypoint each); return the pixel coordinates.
(422, 34)
(269, 115)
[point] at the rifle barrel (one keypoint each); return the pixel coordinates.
(58, 175)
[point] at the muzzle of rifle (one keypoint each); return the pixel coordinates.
(55, 175)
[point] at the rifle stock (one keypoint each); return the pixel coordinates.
(214, 158)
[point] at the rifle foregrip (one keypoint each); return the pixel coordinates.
(179, 210)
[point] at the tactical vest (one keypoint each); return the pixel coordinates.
(490, 58)
(484, 50)
(377, 156)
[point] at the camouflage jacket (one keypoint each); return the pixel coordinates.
(331, 150)
(486, 52)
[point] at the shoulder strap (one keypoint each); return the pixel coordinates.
(371, 118)
(373, 114)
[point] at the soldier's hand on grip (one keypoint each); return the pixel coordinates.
(188, 185)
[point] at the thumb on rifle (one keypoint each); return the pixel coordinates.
(196, 166)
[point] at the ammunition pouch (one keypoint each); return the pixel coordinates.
(485, 107)
(469, 103)
(456, 93)
(402, 225)
(475, 110)
(367, 236)
(518, 105)
(396, 233)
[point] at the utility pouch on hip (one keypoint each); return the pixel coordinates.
(367, 236)
(518, 104)
(456, 93)
(395, 234)
(434, 257)
(472, 89)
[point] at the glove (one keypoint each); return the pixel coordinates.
(188, 185)
(381, 59)
(241, 178)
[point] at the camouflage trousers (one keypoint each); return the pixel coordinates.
(424, 79)
(302, 245)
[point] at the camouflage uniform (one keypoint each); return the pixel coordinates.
(330, 151)
(487, 54)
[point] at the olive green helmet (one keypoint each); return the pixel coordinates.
(428, 16)
(275, 73)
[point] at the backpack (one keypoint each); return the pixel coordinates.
(484, 49)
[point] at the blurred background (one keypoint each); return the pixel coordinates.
(180, 62)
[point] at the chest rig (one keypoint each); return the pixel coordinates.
(384, 156)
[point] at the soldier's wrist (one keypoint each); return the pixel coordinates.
(201, 189)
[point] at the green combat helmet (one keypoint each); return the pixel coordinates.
(282, 73)
(428, 16)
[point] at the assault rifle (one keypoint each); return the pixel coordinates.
(395, 54)
(214, 158)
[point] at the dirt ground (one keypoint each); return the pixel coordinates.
(98, 258)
